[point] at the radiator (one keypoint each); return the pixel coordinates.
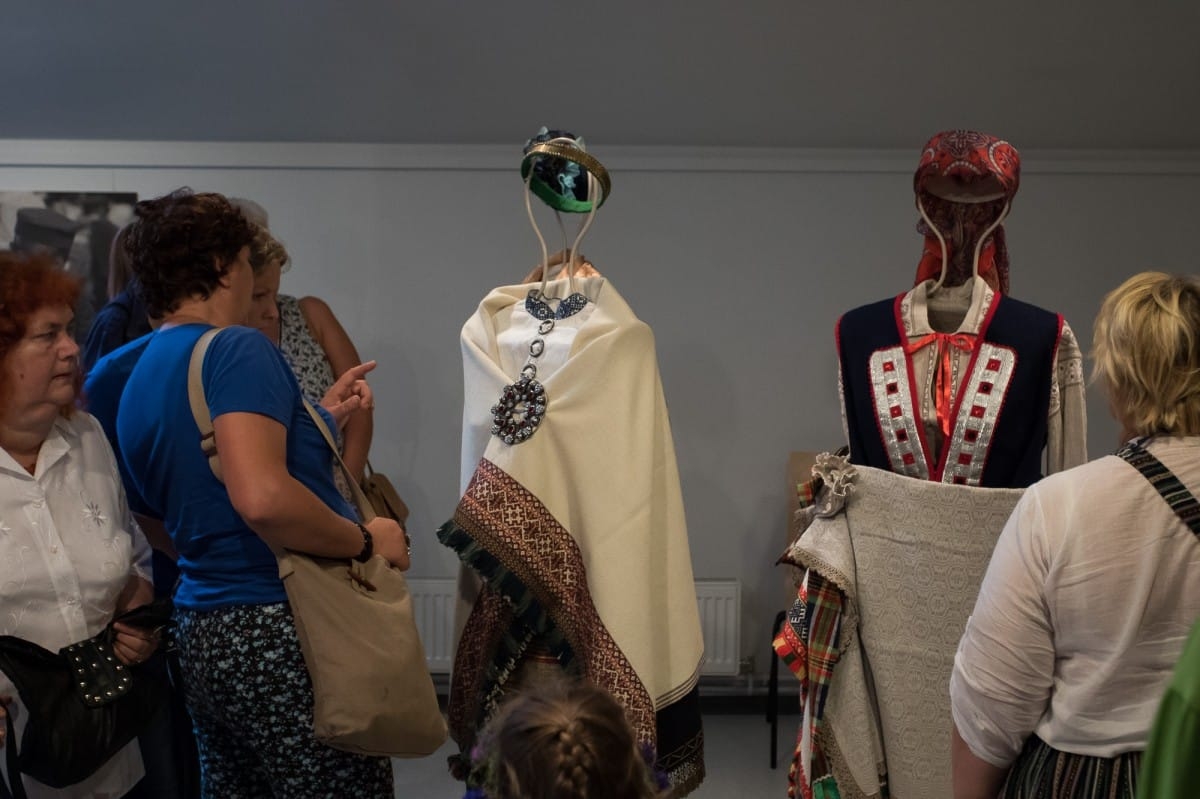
(719, 602)
(433, 605)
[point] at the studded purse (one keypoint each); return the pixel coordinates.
(83, 705)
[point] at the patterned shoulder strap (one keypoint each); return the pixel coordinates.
(1166, 483)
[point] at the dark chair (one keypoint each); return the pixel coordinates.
(773, 689)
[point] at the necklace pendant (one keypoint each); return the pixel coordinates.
(538, 307)
(520, 410)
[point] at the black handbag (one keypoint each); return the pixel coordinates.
(83, 705)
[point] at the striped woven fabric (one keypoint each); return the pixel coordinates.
(808, 645)
(1167, 484)
(808, 642)
(1042, 772)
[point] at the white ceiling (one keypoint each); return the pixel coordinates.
(1107, 74)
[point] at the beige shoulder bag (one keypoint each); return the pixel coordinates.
(371, 687)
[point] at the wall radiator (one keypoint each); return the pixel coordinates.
(433, 605)
(720, 621)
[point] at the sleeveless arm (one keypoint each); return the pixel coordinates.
(342, 355)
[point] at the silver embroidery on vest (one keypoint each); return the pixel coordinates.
(982, 400)
(892, 396)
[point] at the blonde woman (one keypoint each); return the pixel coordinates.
(1095, 582)
(312, 341)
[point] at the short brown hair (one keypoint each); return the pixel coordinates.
(1146, 348)
(181, 245)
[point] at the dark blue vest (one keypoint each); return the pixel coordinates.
(1014, 459)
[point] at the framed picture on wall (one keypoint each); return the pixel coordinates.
(78, 228)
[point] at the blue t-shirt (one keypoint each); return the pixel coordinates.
(222, 562)
(102, 390)
(102, 393)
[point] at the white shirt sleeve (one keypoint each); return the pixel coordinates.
(140, 556)
(1066, 439)
(1004, 667)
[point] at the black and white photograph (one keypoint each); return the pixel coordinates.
(77, 227)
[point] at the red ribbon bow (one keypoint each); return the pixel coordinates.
(946, 344)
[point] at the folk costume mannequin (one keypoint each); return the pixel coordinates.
(962, 387)
(571, 527)
(955, 381)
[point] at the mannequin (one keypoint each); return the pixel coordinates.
(960, 386)
(571, 528)
(955, 381)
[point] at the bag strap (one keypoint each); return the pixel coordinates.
(1165, 483)
(365, 509)
(199, 403)
(208, 441)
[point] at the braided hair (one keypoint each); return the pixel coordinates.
(566, 741)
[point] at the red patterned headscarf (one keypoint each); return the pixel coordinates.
(966, 157)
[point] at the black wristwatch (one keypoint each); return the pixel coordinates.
(368, 545)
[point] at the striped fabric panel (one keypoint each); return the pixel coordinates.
(824, 613)
(1164, 482)
(1042, 772)
(789, 644)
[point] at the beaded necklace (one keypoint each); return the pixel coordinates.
(522, 405)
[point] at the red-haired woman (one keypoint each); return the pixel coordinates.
(71, 556)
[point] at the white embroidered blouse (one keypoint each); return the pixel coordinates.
(68, 545)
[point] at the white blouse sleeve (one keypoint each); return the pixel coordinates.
(1066, 444)
(1004, 667)
(140, 560)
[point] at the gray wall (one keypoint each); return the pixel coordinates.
(741, 261)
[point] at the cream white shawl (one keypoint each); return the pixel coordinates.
(602, 465)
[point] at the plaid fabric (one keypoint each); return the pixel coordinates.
(808, 645)
(824, 612)
(806, 492)
(808, 642)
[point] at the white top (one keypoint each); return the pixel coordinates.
(68, 545)
(1089, 597)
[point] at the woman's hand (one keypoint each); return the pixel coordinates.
(133, 645)
(391, 541)
(349, 394)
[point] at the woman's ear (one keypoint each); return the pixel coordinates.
(223, 276)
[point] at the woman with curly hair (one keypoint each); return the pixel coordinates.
(564, 741)
(247, 688)
(1092, 588)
